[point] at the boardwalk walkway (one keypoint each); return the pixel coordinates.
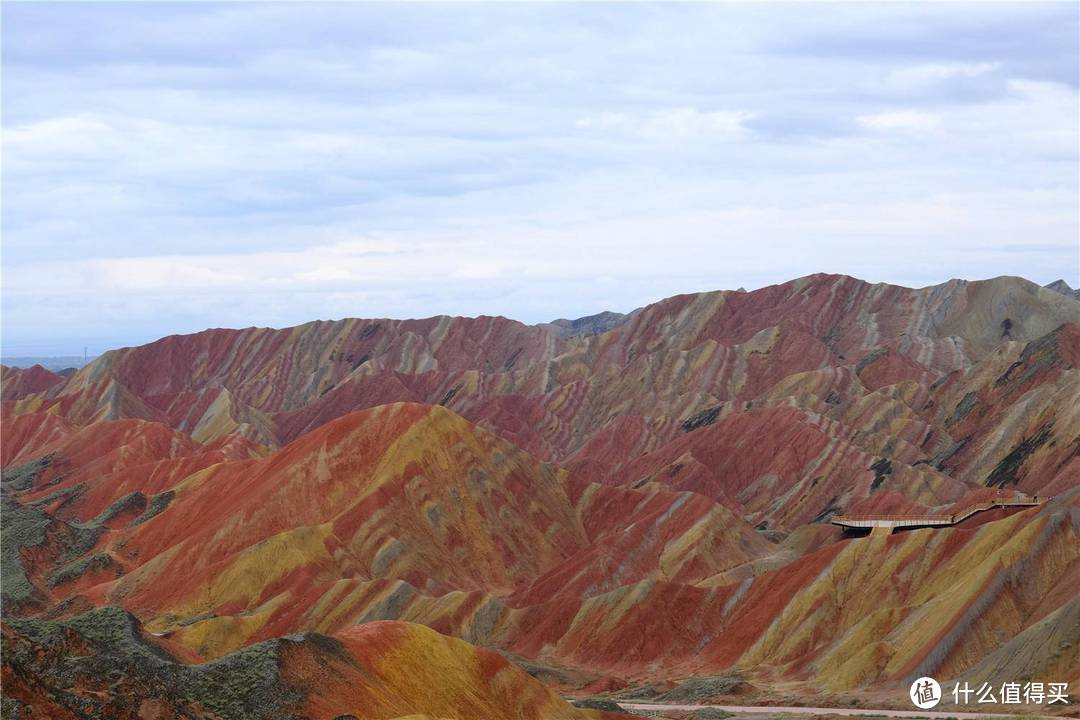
(911, 521)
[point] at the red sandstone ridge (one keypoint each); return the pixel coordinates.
(17, 383)
(630, 499)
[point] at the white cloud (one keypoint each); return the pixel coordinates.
(902, 121)
(673, 124)
(75, 134)
(169, 168)
(922, 75)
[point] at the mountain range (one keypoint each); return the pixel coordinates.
(464, 517)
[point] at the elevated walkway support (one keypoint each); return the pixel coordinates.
(892, 522)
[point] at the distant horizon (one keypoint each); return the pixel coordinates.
(22, 357)
(171, 167)
(54, 363)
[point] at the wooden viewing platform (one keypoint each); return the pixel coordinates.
(909, 521)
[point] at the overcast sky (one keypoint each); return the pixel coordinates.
(168, 168)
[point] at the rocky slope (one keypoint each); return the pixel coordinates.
(627, 498)
(101, 664)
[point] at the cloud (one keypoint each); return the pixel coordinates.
(1026, 40)
(673, 124)
(904, 121)
(918, 75)
(169, 167)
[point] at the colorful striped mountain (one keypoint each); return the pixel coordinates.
(383, 518)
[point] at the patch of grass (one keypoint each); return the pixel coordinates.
(962, 409)
(697, 689)
(24, 476)
(157, 504)
(21, 527)
(24, 526)
(75, 570)
(597, 704)
(245, 685)
(882, 468)
(241, 685)
(870, 358)
(712, 714)
(133, 502)
(705, 417)
(1007, 471)
(71, 492)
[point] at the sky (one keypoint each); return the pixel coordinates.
(172, 167)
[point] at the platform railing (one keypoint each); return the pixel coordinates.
(903, 520)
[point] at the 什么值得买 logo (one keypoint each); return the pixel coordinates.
(925, 693)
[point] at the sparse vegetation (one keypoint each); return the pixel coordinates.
(134, 502)
(965, 406)
(712, 714)
(706, 417)
(242, 686)
(24, 476)
(882, 468)
(77, 568)
(22, 527)
(1007, 471)
(597, 704)
(699, 689)
(157, 505)
(870, 358)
